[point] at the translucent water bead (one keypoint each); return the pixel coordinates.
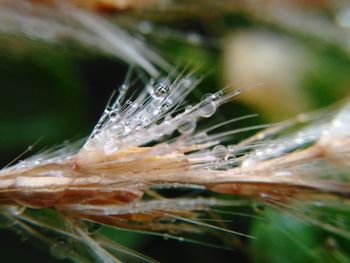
(161, 89)
(207, 106)
(219, 151)
(187, 126)
(187, 82)
(201, 137)
(117, 129)
(111, 146)
(166, 104)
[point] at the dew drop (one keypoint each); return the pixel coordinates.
(208, 96)
(194, 38)
(117, 129)
(60, 248)
(124, 87)
(219, 151)
(201, 137)
(238, 91)
(230, 157)
(249, 163)
(283, 173)
(166, 105)
(111, 146)
(343, 17)
(113, 116)
(161, 89)
(187, 126)
(145, 27)
(146, 122)
(188, 108)
(220, 94)
(207, 108)
(90, 145)
(187, 82)
(181, 239)
(166, 236)
(331, 243)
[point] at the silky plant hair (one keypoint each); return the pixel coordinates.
(148, 139)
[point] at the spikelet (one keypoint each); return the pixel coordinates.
(147, 139)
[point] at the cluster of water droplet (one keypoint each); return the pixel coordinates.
(152, 115)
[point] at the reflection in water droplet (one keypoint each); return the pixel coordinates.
(161, 89)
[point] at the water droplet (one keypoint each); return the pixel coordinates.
(194, 38)
(60, 248)
(201, 137)
(117, 129)
(90, 145)
(161, 89)
(111, 146)
(146, 122)
(188, 108)
(113, 115)
(230, 157)
(220, 94)
(187, 82)
(264, 195)
(207, 108)
(145, 27)
(283, 173)
(166, 236)
(208, 96)
(331, 243)
(187, 126)
(343, 17)
(219, 151)
(166, 105)
(249, 163)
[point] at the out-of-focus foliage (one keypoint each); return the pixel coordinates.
(55, 92)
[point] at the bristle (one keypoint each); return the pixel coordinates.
(149, 139)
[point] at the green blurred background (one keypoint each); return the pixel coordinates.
(53, 93)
